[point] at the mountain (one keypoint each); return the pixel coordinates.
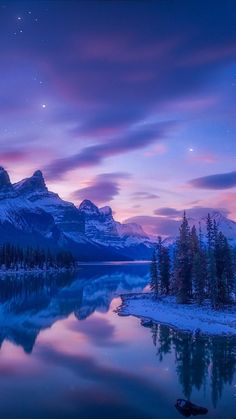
(31, 214)
(101, 227)
(224, 224)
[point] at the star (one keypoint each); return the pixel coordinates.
(44, 105)
(191, 150)
(19, 18)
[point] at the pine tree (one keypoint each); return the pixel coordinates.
(163, 263)
(183, 264)
(198, 265)
(224, 271)
(211, 261)
(154, 286)
(13, 257)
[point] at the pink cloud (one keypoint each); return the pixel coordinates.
(209, 55)
(157, 150)
(121, 48)
(204, 158)
(191, 104)
(227, 200)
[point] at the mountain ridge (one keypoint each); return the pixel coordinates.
(30, 213)
(89, 232)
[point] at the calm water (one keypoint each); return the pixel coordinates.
(66, 354)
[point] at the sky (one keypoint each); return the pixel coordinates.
(131, 104)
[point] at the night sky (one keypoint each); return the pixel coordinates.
(126, 103)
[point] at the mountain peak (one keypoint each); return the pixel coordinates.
(38, 174)
(88, 207)
(35, 183)
(5, 183)
(107, 211)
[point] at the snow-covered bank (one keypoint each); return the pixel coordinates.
(185, 317)
(20, 272)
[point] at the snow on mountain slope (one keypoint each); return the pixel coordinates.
(28, 206)
(20, 213)
(66, 216)
(101, 227)
(225, 225)
(29, 211)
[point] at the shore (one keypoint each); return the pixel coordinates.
(5, 272)
(188, 317)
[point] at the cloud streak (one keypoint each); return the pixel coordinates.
(217, 181)
(95, 154)
(102, 189)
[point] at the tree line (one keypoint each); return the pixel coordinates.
(197, 268)
(13, 257)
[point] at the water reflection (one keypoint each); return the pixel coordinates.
(80, 359)
(33, 302)
(197, 358)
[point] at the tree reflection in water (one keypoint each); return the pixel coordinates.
(198, 358)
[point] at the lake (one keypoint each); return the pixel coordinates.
(65, 353)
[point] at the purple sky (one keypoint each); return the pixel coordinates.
(127, 103)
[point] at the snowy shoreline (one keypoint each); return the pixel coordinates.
(184, 317)
(5, 272)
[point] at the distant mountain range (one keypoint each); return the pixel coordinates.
(32, 215)
(225, 225)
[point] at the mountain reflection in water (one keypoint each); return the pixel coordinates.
(35, 301)
(62, 342)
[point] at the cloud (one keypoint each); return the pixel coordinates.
(210, 54)
(102, 189)
(204, 158)
(123, 49)
(217, 181)
(156, 225)
(145, 195)
(107, 122)
(168, 212)
(13, 156)
(196, 211)
(93, 155)
(119, 383)
(167, 219)
(98, 330)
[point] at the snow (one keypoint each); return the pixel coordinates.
(5, 272)
(186, 317)
(86, 224)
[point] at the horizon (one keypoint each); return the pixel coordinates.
(170, 220)
(131, 110)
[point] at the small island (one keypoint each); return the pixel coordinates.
(192, 283)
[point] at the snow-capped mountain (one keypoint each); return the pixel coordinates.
(30, 213)
(224, 224)
(66, 216)
(101, 227)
